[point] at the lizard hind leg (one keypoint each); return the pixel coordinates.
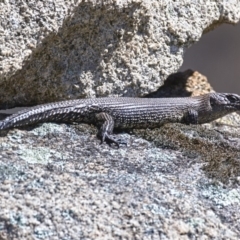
(106, 128)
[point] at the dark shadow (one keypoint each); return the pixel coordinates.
(174, 86)
(4, 115)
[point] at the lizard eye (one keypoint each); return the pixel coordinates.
(232, 98)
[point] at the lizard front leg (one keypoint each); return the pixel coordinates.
(191, 116)
(106, 128)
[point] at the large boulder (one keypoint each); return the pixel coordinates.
(52, 50)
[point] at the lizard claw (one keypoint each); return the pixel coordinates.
(109, 140)
(121, 141)
(117, 142)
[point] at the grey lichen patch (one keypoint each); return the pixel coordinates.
(221, 196)
(48, 128)
(16, 137)
(38, 155)
(9, 171)
(107, 192)
(18, 219)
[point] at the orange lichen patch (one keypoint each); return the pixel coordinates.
(198, 84)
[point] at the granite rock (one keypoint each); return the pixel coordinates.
(175, 182)
(55, 50)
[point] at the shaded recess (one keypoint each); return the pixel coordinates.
(183, 84)
(217, 55)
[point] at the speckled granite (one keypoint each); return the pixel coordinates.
(55, 50)
(175, 182)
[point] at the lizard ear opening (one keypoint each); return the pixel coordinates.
(212, 100)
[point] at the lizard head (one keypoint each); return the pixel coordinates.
(225, 101)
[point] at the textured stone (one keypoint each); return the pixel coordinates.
(52, 50)
(175, 182)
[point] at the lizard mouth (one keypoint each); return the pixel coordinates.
(235, 106)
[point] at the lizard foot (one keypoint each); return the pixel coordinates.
(109, 140)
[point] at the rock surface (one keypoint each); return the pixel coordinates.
(57, 182)
(175, 182)
(55, 50)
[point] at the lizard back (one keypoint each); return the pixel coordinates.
(126, 112)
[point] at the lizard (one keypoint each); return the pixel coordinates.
(108, 113)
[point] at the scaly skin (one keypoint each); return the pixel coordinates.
(110, 113)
